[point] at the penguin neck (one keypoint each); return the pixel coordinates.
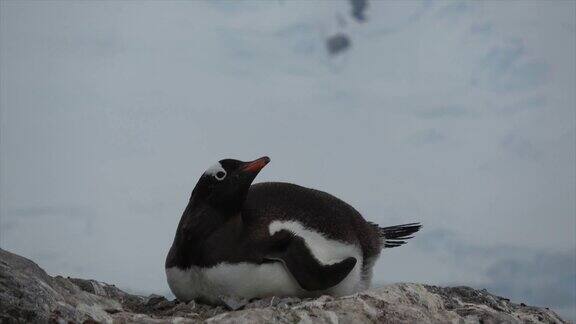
(199, 220)
(197, 224)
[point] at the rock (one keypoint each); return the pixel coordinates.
(155, 299)
(28, 294)
(233, 302)
(283, 302)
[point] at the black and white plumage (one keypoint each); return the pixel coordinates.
(271, 238)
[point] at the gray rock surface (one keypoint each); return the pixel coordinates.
(28, 294)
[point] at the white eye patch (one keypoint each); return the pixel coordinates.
(217, 171)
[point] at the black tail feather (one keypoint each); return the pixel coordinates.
(394, 236)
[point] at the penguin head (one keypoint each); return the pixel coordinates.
(224, 185)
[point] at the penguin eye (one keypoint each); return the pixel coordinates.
(220, 175)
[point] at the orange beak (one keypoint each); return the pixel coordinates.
(256, 165)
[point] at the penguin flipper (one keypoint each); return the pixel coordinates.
(310, 274)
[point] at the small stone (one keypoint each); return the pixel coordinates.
(112, 310)
(287, 301)
(233, 302)
(261, 303)
(155, 299)
(324, 298)
(163, 305)
(185, 307)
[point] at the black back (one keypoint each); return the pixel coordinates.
(315, 209)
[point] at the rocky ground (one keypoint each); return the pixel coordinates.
(28, 294)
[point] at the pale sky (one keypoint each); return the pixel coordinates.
(460, 115)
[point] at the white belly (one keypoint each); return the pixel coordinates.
(249, 280)
(241, 279)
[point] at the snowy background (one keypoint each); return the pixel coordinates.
(460, 115)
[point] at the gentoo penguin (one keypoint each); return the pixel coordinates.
(271, 239)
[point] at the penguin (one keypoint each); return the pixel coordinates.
(251, 241)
